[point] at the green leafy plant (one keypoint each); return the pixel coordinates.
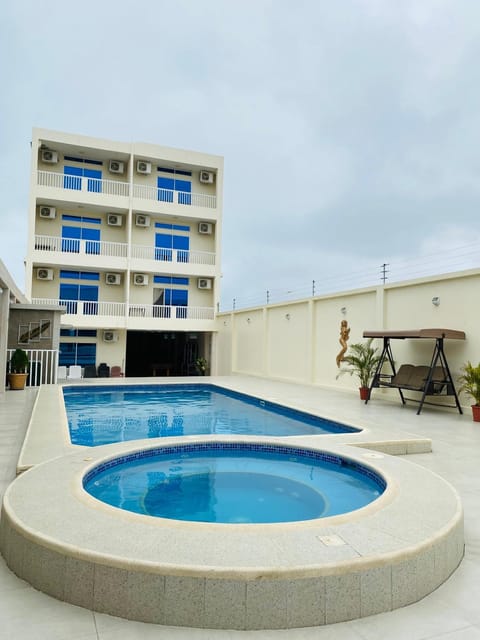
(362, 360)
(19, 361)
(470, 381)
(201, 364)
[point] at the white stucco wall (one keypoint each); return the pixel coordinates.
(299, 341)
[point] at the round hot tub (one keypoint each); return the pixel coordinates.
(318, 569)
(229, 483)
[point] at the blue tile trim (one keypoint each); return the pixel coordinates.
(317, 456)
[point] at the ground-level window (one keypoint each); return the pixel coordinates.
(77, 353)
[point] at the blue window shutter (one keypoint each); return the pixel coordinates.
(183, 185)
(94, 182)
(71, 239)
(163, 246)
(184, 189)
(67, 353)
(181, 242)
(165, 189)
(69, 292)
(89, 294)
(86, 353)
(91, 235)
(179, 298)
(72, 178)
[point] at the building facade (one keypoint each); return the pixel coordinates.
(125, 237)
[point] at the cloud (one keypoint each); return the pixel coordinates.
(347, 129)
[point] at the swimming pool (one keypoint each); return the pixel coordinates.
(99, 415)
(234, 483)
(389, 554)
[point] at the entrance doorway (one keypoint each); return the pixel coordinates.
(163, 353)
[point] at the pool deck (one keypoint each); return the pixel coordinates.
(47, 436)
(449, 613)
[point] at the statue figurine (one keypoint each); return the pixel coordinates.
(344, 335)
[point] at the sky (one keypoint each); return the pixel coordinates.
(349, 129)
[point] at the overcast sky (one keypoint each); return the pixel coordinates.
(350, 129)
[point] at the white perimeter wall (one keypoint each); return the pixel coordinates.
(299, 341)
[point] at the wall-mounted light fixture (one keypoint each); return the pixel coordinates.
(287, 316)
(436, 301)
(248, 320)
(343, 310)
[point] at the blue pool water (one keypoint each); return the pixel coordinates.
(101, 415)
(234, 483)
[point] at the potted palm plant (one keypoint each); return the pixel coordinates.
(19, 364)
(201, 365)
(362, 360)
(470, 384)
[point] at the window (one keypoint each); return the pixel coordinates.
(81, 219)
(77, 353)
(73, 177)
(167, 243)
(71, 234)
(177, 172)
(167, 186)
(83, 160)
(71, 237)
(81, 333)
(72, 293)
(170, 297)
(79, 275)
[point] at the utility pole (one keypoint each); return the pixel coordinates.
(384, 272)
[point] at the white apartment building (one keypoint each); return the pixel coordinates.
(126, 237)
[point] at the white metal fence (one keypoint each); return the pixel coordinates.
(85, 307)
(181, 256)
(169, 311)
(117, 188)
(43, 366)
(120, 250)
(80, 183)
(118, 309)
(89, 247)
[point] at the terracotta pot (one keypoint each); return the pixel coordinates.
(476, 412)
(17, 381)
(364, 393)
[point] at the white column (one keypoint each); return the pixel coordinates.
(4, 312)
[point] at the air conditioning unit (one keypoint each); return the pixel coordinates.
(114, 220)
(110, 336)
(50, 157)
(205, 228)
(142, 220)
(144, 167)
(115, 166)
(140, 279)
(204, 283)
(44, 274)
(113, 278)
(206, 177)
(47, 212)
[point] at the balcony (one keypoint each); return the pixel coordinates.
(121, 315)
(113, 255)
(94, 190)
